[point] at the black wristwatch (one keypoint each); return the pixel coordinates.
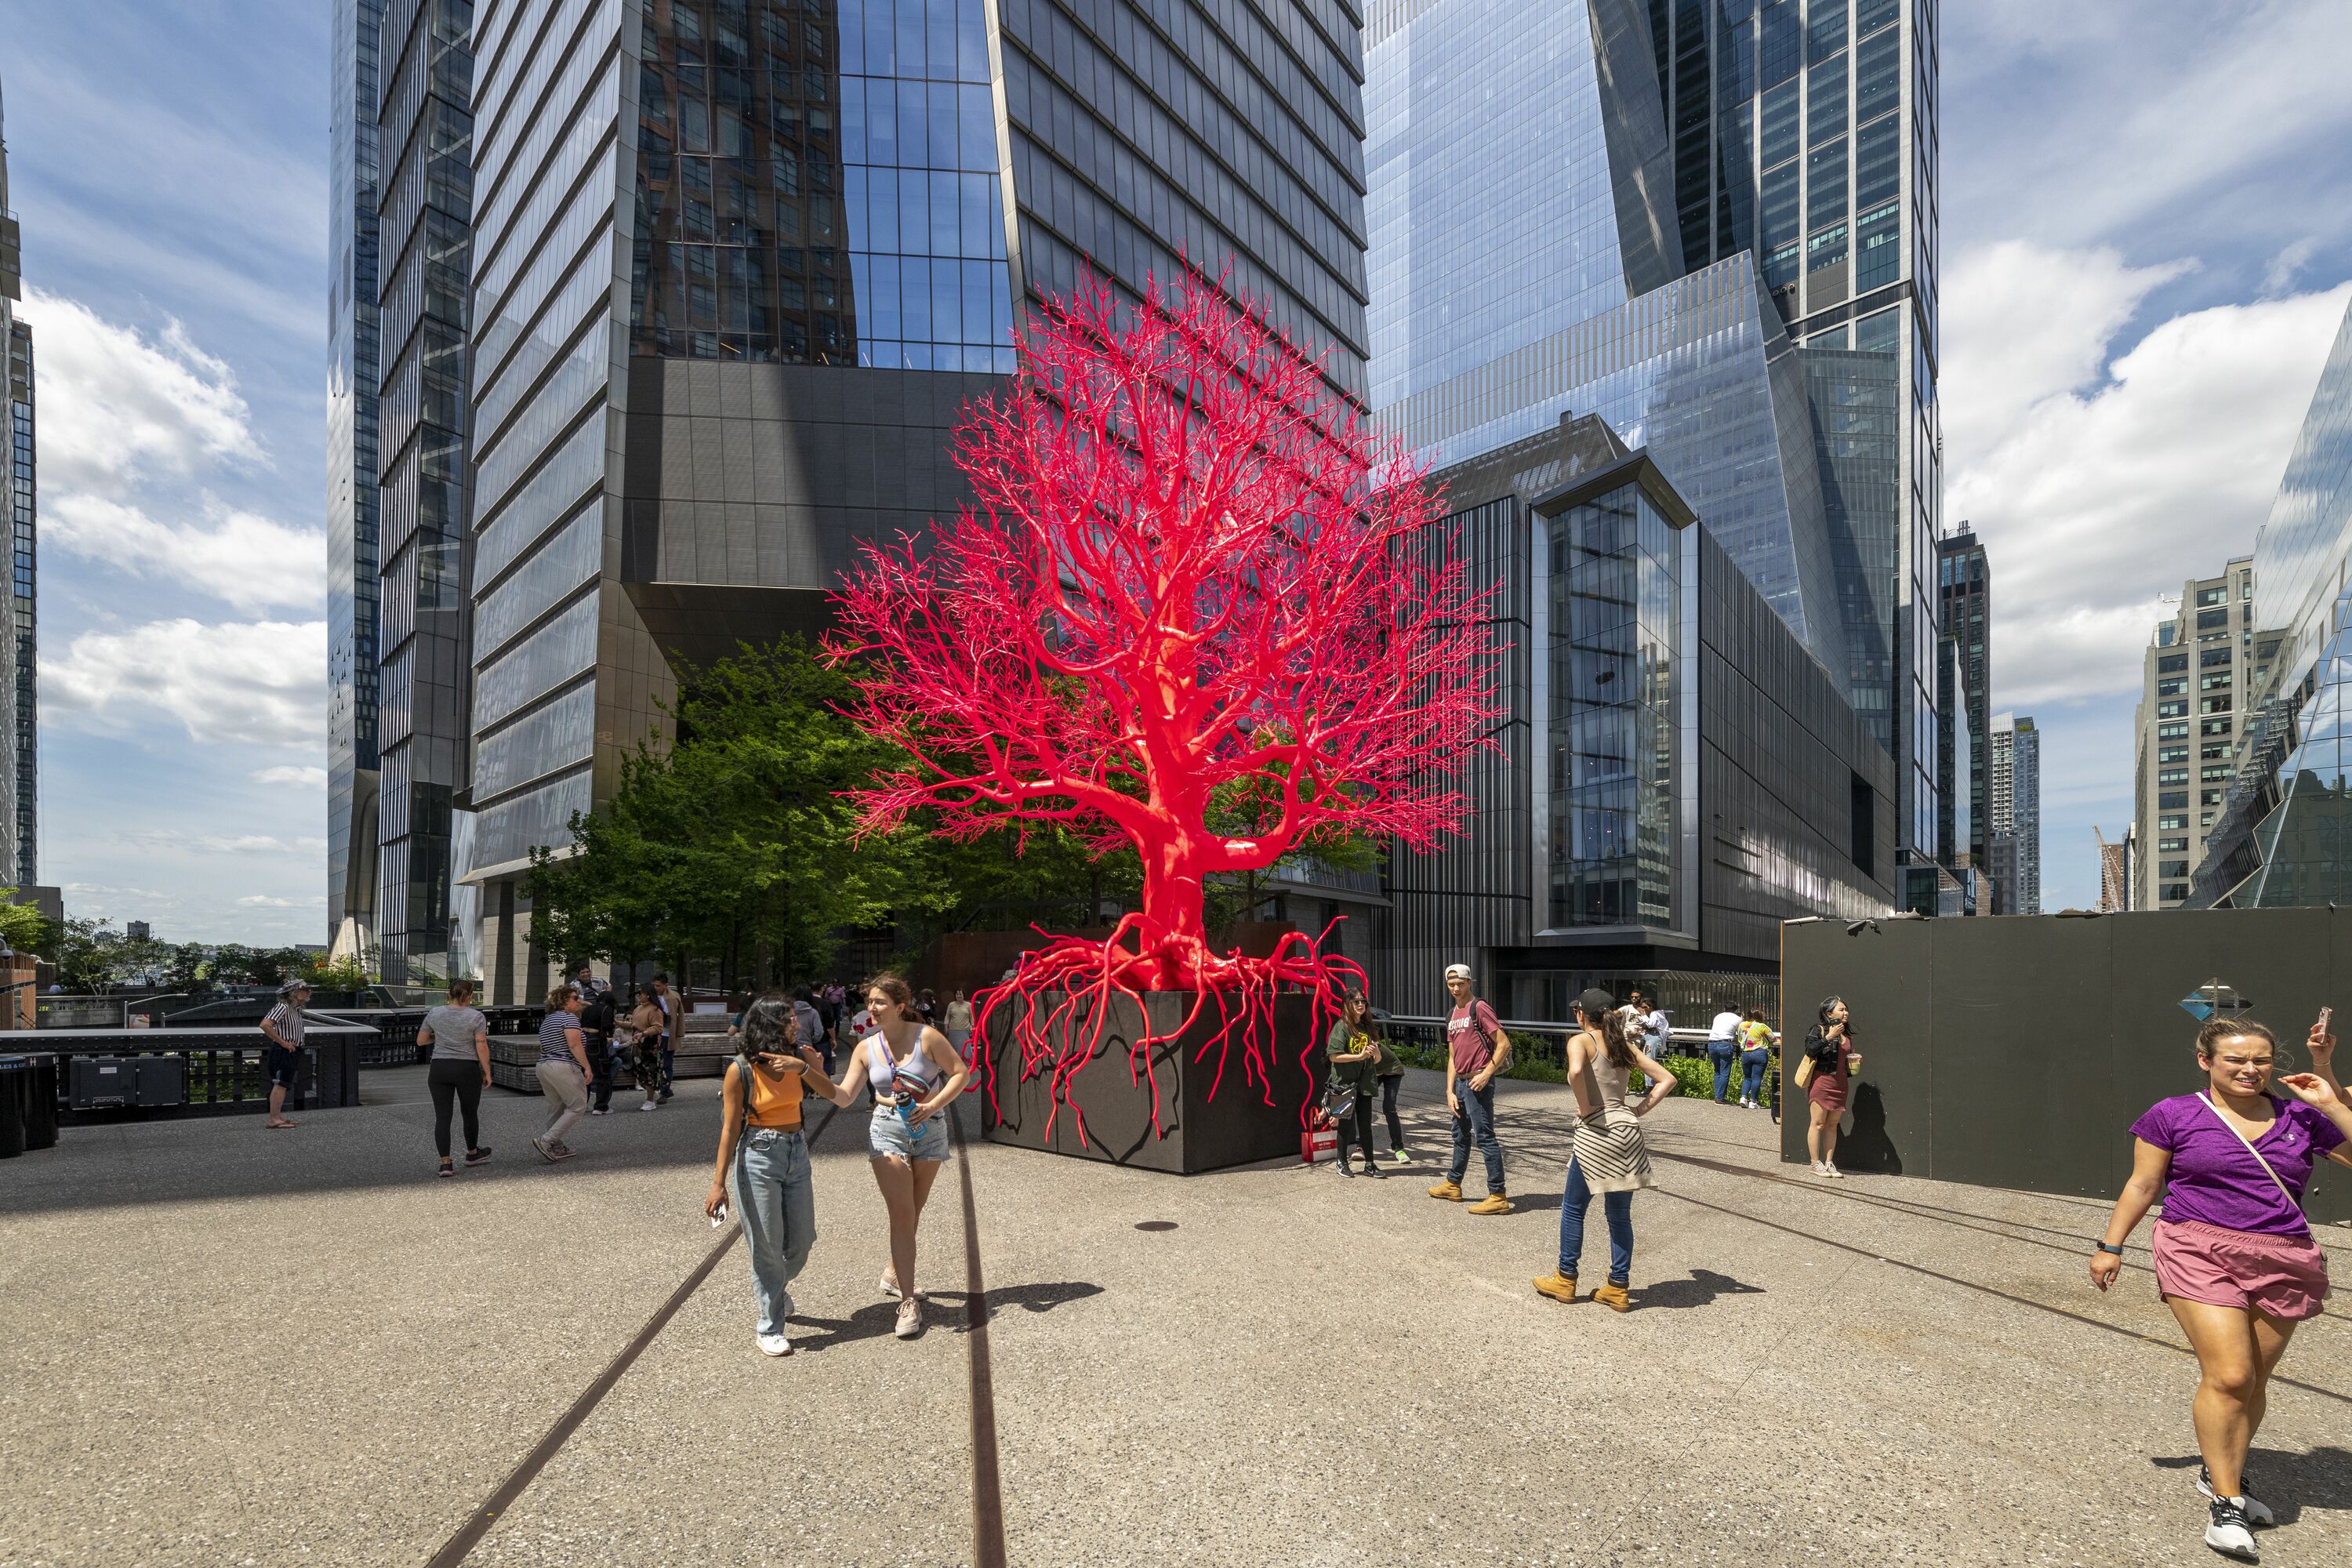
(2103, 1246)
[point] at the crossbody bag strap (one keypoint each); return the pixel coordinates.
(2257, 1153)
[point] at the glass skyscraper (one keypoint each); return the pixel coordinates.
(2285, 833)
(736, 266)
(1964, 612)
(425, 128)
(19, 647)
(353, 593)
(1713, 225)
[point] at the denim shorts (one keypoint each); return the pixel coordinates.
(282, 1066)
(888, 1133)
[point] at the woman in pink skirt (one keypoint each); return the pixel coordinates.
(2235, 1255)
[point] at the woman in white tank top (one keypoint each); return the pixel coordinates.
(1611, 1157)
(916, 1076)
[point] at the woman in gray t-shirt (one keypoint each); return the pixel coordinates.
(460, 1069)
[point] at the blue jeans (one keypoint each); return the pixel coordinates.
(1721, 1053)
(1617, 1207)
(1751, 1073)
(777, 1204)
(1476, 1121)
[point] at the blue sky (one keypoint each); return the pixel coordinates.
(2147, 243)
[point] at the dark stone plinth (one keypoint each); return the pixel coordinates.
(1235, 1128)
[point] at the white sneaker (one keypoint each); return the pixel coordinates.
(887, 1288)
(2258, 1512)
(1828, 1168)
(2229, 1534)
(1821, 1170)
(774, 1344)
(910, 1319)
(648, 1105)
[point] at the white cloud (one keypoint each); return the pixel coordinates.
(247, 560)
(259, 683)
(2080, 122)
(301, 778)
(267, 901)
(116, 405)
(2097, 490)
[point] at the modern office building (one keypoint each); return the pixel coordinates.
(352, 592)
(424, 207)
(1676, 773)
(2280, 837)
(1715, 227)
(19, 649)
(2013, 801)
(736, 265)
(1964, 614)
(2199, 665)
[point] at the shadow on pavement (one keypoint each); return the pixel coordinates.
(1699, 1290)
(2291, 1483)
(877, 1320)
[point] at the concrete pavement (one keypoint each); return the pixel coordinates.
(233, 1346)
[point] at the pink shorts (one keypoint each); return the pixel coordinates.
(2283, 1277)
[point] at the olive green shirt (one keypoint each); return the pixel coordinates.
(1363, 1077)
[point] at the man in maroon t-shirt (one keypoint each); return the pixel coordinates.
(1475, 1051)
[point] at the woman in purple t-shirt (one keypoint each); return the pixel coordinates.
(2235, 1255)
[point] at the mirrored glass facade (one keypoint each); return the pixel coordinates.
(353, 584)
(1677, 774)
(2285, 837)
(24, 607)
(1714, 227)
(19, 502)
(424, 129)
(1806, 132)
(1615, 607)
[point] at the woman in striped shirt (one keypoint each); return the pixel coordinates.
(564, 1072)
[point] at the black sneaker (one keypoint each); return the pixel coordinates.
(476, 1156)
(1372, 1168)
(2258, 1514)
(2230, 1534)
(1344, 1168)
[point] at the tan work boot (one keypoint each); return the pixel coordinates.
(1450, 1191)
(1493, 1203)
(1558, 1286)
(1613, 1297)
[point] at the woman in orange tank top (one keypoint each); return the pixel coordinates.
(762, 1147)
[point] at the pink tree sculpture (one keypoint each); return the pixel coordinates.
(1190, 576)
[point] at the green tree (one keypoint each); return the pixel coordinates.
(733, 846)
(23, 927)
(84, 953)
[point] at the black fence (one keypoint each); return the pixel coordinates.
(2016, 1052)
(223, 1071)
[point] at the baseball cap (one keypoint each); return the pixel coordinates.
(1594, 1002)
(1457, 972)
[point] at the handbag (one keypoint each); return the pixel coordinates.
(1806, 1068)
(2292, 1202)
(1317, 1145)
(1339, 1100)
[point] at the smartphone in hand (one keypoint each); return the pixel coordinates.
(2327, 1020)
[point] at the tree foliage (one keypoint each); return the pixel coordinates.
(733, 844)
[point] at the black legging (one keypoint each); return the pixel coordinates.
(1388, 1086)
(458, 1081)
(1362, 1118)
